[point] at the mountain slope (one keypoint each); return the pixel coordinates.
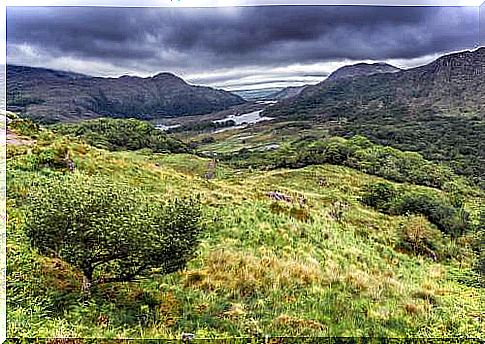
(288, 92)
(362, 69)
(452, 84)
(51, 96)
(436, 109)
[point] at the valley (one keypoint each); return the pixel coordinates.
(353, 207)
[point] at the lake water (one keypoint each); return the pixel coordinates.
(164, 127)
(241, 121)
(247, 118)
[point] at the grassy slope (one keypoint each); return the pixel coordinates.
(264, 267)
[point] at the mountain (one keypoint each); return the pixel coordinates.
(359, 69)
(257, 94)
(288, 92)
(51, 96)
(452, 84)
(362, 69)
(436, 109)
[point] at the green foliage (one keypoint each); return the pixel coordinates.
(379, 195)
(357, 152)
(438, 210)
(202, 126)
(447, 218)
(55, 156)
(122, 134)
(450, 141)
(108, 231)
(24, 127)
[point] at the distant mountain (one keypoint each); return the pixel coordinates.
(288, 92)
(51, 96)
(257, 94)
(359, 69)
(362, 69)
(453, 84)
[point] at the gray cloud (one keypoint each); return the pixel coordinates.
(191, 41)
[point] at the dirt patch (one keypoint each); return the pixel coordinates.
(14, 139)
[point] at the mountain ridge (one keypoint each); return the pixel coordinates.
(50, 96)
(446, 84)
(362, 69)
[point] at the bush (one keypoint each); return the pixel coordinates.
(418, 238)
(108, 231)
(24, 127)
(55, 156)
(379, 195)
(448, 219)
(438, 210)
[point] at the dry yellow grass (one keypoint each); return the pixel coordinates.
(298, 323)
(246, 274)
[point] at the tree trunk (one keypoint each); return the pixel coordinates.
(87, 283)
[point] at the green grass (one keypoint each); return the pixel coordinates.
(329, 268)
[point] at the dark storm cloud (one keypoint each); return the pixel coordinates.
(194, 40)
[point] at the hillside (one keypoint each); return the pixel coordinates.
(256, 94)
(452, 84)
(50, 96)
(362, 69)
(287, 92)
(436, 109)
(318, 261)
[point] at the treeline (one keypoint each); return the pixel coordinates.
(453, 141)
(357, 152)
(122, 134)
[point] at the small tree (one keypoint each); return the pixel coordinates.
(110, 232)
(378, 195)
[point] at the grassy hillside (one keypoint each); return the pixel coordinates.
(321, 263)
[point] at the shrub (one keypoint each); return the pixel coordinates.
(438, 210)
(108, 231)
(449, 219)
(379, 195)
(418, 238)
(22, 126)
(53, 156)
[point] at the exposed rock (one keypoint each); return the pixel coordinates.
(278, 196)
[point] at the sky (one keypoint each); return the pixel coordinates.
(235, 47)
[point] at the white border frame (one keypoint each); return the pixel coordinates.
(159, 3)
